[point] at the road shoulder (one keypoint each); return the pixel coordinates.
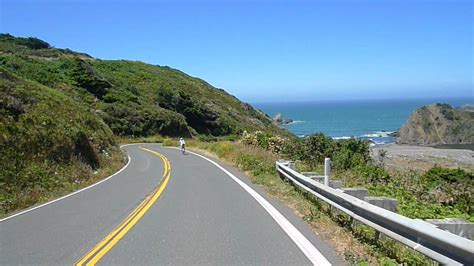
(324, 246)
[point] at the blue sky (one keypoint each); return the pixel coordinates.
(273, 50)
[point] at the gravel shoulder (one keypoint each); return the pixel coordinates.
(421, 158)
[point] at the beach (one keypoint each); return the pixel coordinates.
(421, 158)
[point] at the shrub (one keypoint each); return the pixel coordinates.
(372, 174)
(350, 153)
(30, 42)
(86, 77)
(265, 141)
(451, 187)
(255, 164)
(311, 150)
(346, 154)
(140, 121)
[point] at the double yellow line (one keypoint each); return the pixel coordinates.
(97, 252)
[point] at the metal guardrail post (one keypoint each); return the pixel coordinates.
(327, 170)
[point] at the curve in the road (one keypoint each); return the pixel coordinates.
(97, 252)
(311, 252)
(201, 218)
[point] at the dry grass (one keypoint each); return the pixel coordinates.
(75, 176)
(150, 139)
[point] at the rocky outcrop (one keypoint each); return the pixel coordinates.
(281, 121)
(438, 124)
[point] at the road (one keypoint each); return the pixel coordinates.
(164, 208)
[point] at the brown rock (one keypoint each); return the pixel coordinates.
(438, 124)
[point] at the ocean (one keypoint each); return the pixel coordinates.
(366, 119)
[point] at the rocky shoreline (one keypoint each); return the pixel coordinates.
(282, 121)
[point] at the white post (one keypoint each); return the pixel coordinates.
(327, 170)
(291, 164)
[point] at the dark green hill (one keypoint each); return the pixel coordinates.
(133, 98)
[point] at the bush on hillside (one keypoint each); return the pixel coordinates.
(350, 153)
(345, 154)
(43, 133)
(312, 150)
(30, 42)
(86, 77)
(264, 140)
(138, 121)
(199, 116)
(450, 187)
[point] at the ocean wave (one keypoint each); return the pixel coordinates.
(378, 134)
(377, 138)
(343, 137)
(380, 142)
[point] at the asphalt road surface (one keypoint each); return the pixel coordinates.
(164, 208)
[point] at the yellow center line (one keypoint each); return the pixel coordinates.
(98, 251)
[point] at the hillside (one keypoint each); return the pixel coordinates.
(133, 98)
(60, 112)
(438, 124)
(48, 143)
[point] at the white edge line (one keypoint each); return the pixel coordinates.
(73, 193)
(311, 252)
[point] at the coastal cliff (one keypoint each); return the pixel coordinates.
(438, 124)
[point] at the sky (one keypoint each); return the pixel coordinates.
(262, 51)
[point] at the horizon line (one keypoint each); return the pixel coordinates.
(436, 98)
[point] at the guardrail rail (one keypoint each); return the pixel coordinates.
(440, 245)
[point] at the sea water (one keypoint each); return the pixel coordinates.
(366, 119)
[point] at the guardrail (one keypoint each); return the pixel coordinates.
(421, 236)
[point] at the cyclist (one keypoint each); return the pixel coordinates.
(182, 145)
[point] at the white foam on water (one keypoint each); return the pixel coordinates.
(343, 137)
(377, 134)
(296, 122)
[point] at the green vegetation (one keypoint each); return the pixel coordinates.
(437, 193)
(32, 43)
(61, 112)
(133, 98)
(259, 164)
(49, 143)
